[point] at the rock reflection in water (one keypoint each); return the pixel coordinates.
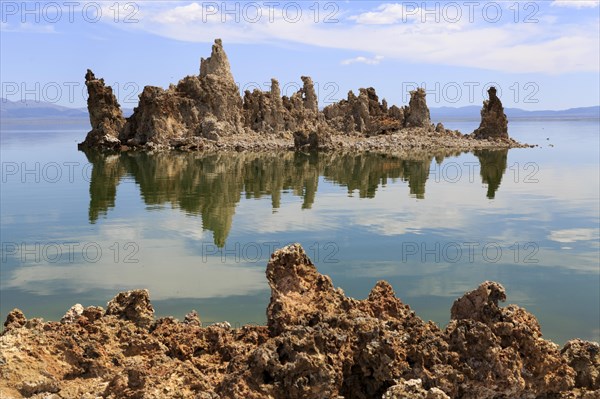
(493, 165)
(211, 185)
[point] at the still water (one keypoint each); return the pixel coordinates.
(197, 230)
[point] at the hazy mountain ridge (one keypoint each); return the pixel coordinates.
(473, 112)
(43, 110)
(30, 109)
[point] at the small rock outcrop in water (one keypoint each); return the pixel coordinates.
(494, 123)
(318, 343)
(106, 117)
(207, 108)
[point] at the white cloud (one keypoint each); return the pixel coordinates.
(194, 268)
(26, 27)
(363, 60)
(192, 278)
(551, 48)
(576, 3)
(387, 14)
(574, 235)
(184, 14)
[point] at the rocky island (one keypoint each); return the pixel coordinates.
(317, 344)
(206, 112)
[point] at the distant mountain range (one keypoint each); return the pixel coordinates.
(42, 110)
(473, 112)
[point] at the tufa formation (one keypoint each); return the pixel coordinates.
(106, 117)
(494, 123)
(317, 344)
(207, 108)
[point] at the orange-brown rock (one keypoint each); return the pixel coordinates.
(318, 343)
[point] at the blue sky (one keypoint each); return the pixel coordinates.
(542, 55)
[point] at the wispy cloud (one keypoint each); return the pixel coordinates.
(363, 60)
(552, 47)
(27, 27)
(576, 3)
(387, 14)
(574, 235)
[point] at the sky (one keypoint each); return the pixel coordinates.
(540, 55)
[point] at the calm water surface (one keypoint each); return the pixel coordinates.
(197, 230)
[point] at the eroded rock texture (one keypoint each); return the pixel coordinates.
(364, 114)
(207, 105)
(502, 349)
(106, 117)
(417, 113)
(584, 358)
(318, 343)
(268, 112)
(413, 389)
(494, 123)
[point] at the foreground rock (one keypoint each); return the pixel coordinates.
(206, 112)
(318, 343)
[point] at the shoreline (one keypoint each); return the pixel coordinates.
(406, 140)
(317, 343)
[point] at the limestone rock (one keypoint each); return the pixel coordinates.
(302, 108)
(360, 110)
(413, 389)
(217, 64)
(298, 291)
(15, 319)
(417, 113)
(364, 114)
(325, 345)
(106, 117)
(93, 313)
(220, 92)
(134, 306)
(341, 116)
(494, 123)
(480, 304)
(584, 358)
(213, 129)
(315, 140)
(309, 95)
(264, 112)
(208, 105)
(192, 319)
(502, 349)
(396, 113)
(72, 314)
(386, 125)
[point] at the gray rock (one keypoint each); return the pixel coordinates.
(494, 123)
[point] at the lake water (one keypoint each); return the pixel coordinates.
(197, 230)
